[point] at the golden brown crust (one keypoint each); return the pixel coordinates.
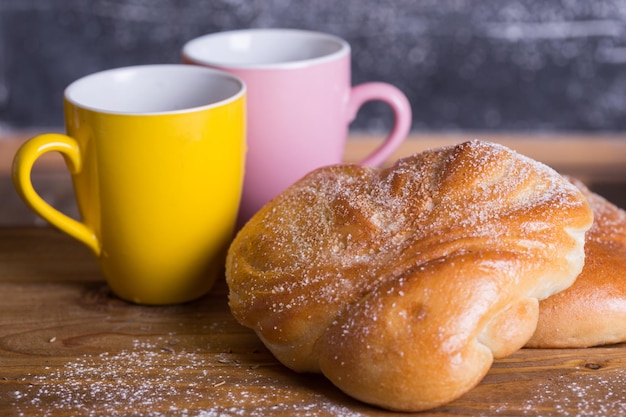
(401, 285)
(591, 312)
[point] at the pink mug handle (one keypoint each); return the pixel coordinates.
(401, 107)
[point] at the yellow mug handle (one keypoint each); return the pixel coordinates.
(23, 163)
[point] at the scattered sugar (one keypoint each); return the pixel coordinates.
(151, 378)
(580, 395)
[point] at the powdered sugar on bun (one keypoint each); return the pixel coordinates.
(403, 284)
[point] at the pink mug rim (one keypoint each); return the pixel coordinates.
(194, 50)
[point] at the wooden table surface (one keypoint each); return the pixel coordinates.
(68, 347)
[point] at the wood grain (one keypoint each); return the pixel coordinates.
(69, 347)
(598, 156)
(591, 158)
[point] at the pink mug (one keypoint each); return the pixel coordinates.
(300, 103)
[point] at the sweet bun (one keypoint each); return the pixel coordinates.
(401, 285)
(592, 311)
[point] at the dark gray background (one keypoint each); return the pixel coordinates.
(503, 65)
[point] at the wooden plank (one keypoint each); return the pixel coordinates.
(592, 158)
(10, 143)
(598, 156)
(603, 152)
(69, 347)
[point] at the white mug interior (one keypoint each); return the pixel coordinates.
(154, 89)
(264, 48)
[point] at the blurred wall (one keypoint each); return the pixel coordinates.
(504, 65)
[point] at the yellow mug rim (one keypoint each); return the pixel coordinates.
(118, 75)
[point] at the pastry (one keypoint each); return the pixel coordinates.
(401, 285)
(591, 312)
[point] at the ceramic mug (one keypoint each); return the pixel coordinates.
(157, 155)
(300, 103)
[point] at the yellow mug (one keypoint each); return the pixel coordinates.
(157, 155)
